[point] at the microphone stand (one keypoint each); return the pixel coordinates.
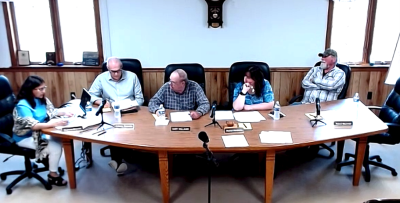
(102, 121)
(213, 121)
(316, 120)
(210, 162)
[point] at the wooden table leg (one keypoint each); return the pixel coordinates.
(163, 164)
(360, 152)
(68, 145)
(339, 153)
(269, 175)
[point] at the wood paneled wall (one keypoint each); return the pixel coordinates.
(286, 83)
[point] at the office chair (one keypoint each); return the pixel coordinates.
(342, 95)
(134, 66)
(390, 114)
(236, 75)
(194, 72)
(8, 144)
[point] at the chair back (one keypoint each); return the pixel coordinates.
(347, 70)
(7, 104)
(194, 72)
(132, 65)
(237, 71)
(391, 108)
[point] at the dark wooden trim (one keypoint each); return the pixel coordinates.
(13, 55)
(55, 22)
(98, 30)
(369, 30)
(329, 24)
(14, 25)
(80, 68)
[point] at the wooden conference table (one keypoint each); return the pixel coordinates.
(160, 139)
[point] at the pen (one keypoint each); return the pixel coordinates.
(101, 133)
(245, 125)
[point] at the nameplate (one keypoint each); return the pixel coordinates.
(124, 125)
(233, 130)
(180, 128)
(343, 123)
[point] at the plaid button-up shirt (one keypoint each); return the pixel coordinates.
(327, 87)
(192, 98)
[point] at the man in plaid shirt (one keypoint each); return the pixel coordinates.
(181, 94)
(324, 82)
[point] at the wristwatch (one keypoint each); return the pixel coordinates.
(241, 93)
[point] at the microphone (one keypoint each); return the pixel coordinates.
(101, 107)
(203, 137)
(318, 106)
(213, 108)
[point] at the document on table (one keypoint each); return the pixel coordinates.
(160, 121)
(80, 122)
(126, 104)
(235, 141)
(180, 116)
(223, 115)
(275, 137)
(248, 116)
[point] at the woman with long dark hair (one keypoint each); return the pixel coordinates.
(32, 113)
(254, 93)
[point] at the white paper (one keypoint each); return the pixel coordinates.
(235, 141)
(248, 116)
(126, 104)
(223, 115)
(161, 122)
(180, 116)
(80, 122)
(276, 137)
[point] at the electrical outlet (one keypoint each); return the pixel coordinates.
(73, 95)
(369, 95)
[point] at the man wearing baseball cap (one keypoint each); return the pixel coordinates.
(325, 81)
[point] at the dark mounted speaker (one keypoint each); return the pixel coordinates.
(51, 58)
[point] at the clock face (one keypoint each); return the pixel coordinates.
(215, 13)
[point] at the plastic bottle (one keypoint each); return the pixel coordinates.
(117, 111)
(161, 112)
(88, 107)
(356, 98)
(277, 110)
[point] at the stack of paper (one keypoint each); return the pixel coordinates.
(248, 116)
(81, 123)
(126, 104)
(275, 137)
(223, 115)
(235, 141)
(180, 116)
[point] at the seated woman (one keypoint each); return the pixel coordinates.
(254, 93)
(33, 113)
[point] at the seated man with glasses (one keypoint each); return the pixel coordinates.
(116, 85)
(181, 94)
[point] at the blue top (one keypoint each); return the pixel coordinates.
(24, 109)
(266, 95)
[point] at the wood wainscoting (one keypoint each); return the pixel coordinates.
(286, 82)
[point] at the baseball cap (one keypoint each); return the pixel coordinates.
(328, 52)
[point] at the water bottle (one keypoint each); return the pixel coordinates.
(88, 107)
(117, 111)
(356, 98)
(277, 111)
(161, 112)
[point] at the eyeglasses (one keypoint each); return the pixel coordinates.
(41, 89)
(115, 71)
(175, 83)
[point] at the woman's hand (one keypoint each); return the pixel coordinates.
(58, 122)
(246, 87)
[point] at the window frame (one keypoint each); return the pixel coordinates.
(13, 40)
(369, 30)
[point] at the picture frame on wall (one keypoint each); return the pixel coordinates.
(23, 58)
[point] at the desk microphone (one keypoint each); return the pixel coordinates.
(213, 108)
(203, 137)
(100, 110)
(317, 106)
